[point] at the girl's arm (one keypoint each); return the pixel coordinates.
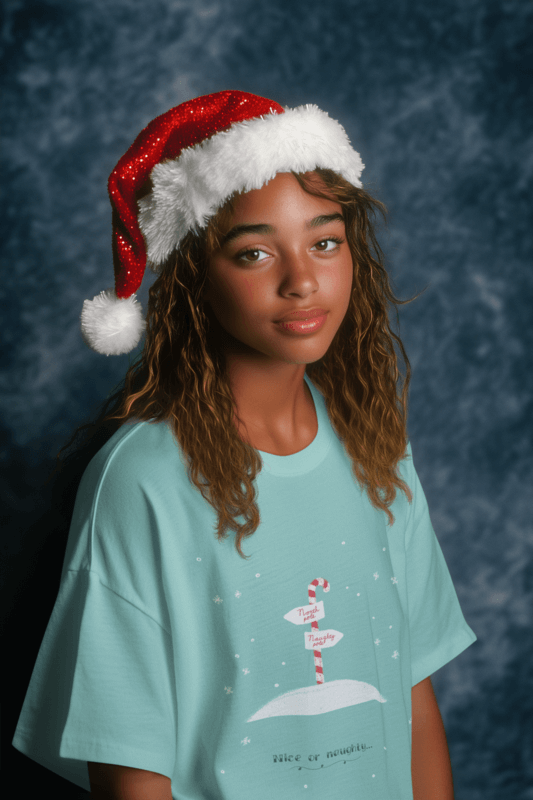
(115, 782)
(431, 769)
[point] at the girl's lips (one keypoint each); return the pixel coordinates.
(302, 325)
(303, 313)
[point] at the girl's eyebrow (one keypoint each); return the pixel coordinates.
(242, 230)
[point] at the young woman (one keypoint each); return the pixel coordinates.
(267, 409)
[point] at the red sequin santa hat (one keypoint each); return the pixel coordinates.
(197, 155)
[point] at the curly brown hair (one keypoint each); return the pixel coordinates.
(181, 377)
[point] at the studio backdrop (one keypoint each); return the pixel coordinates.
(437, 98)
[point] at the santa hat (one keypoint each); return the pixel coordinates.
(197, 155)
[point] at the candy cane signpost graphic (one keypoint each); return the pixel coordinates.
(320, 697)
(303, 615)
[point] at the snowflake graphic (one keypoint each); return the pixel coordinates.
(246, 740)
(217, 599)
(394, 580)
(228, 689)
(376, 576)
(395, 654)
(238, 594)
(377, 641)
(246, 671)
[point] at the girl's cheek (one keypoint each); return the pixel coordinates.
(249, 289)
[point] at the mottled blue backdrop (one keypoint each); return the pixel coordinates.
(438, 99)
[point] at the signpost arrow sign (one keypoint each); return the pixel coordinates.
(317, 640)
(303, 615)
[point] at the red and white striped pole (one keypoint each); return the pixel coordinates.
(314, 625)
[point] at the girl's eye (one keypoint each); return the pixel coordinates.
(253, 254)
(334, 240)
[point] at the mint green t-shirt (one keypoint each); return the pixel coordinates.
(285, 676)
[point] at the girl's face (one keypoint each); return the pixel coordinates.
(278, 255)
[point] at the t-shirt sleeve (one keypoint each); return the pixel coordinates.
(102, 688)
(438, 630)
(103, 685)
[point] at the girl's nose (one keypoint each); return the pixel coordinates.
(298, 272)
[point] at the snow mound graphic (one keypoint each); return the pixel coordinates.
(319, 699)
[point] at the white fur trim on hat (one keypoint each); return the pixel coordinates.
(111, 325)
(187, 191)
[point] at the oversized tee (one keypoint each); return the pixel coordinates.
(287, 675)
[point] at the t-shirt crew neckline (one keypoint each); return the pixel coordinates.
(311, 456)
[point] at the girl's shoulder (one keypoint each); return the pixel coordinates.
(406, 463)
(137, 449)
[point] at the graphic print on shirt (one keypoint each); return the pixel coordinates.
(322, 696)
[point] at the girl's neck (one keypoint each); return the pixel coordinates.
(275, 408)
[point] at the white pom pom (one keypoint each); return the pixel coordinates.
(110, 325)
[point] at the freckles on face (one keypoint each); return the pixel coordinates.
(284, 250)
